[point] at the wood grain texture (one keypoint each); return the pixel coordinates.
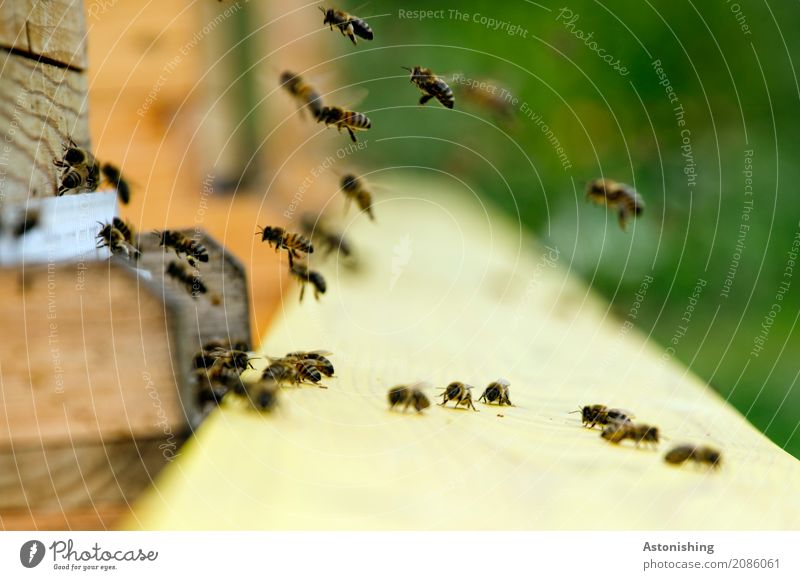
(40, 104)
(86, 356)
(452, 292)
(69, 477)
(54, 29)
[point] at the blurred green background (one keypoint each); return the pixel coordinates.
(731, 67)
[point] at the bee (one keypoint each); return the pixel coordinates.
(263, 395)
(343, 119)
(190, 279)
(28, 222)
(114, 176)
(117, 237)
(302, 93)
(407, 396)
(458, 392)
(233, 359)
(292, 243)
(432, 87)
(497, 392)
(181, 244)
(293, 371)
(481, 96)
(79, 169)
(349, 25)
(306, 276)
(354, 190)
(205, 358)
(617, 432)
(699, 454)
(317, 358)
(592, 415)
(616, 195)
(329, 238)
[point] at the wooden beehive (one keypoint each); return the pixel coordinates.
(97, 393)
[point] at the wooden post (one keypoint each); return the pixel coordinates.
(97, 393)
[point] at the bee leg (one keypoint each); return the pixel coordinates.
(302, 290)
(622, 218)
(352, 135)
(424, 99)
(291, 259)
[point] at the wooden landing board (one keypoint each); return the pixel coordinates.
(453, 292)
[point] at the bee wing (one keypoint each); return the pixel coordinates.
(503, 382)
(346, 97)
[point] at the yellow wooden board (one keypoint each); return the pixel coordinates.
(450, 291)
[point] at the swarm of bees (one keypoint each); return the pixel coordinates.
(615, 195)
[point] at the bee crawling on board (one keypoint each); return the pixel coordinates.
(190, 279)
(294, 244)
(460, 393)
(342, 118)
(354, 190)
(305, 276)
(182, 245)
(638, 433)
(700, 454)
(303, 93)
(117, 236)
(408, 396)
(315, 358)
(432, 87)
(497, 392)
(294, 371)
(615, 195)
(592, 415)
(80, 171)
(349, 25)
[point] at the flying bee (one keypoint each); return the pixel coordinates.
(114, 176)
(615, 195)
(497, 392)
(191, 280)
(330, 239)
(306, 276)
(292, 243)
(432, 87)
(343, 119)
(79, 169)
(317, 358)
(302, 93)
(699, 454)
(117, 237)
(485, 95)
(349, 25)
(354, 190)
(618, 432)
(182, 244)
(407, 396)
(458, 392)
(592, 415)
(28, 222)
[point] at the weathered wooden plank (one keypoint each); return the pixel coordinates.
(452, 292)
(40, 104)
(53, 29)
